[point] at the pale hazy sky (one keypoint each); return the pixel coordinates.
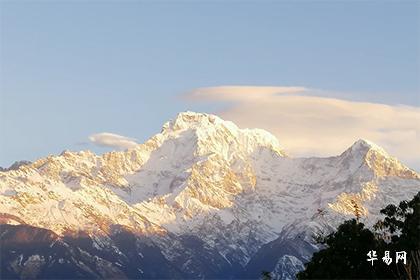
(73, 69)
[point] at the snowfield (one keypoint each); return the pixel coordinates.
(233, 189)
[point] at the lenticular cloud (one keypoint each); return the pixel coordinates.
(107, 139)
(310, 125)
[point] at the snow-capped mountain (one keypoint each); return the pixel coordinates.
(210, 198)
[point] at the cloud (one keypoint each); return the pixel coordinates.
(112, 140)
(309, 125)
(235, 93)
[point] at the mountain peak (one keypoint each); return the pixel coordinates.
(191, 115)
(366, 145)
(378, 159)
(362, 148)
(212, 131)
(189, 119)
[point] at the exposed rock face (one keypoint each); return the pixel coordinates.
(16, 165)
(207, 196)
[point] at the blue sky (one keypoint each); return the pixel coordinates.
(72, 69)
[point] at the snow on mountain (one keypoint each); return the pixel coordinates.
(15, 165)
(233, 189)
(283, 267)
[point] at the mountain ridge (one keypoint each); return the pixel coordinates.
(200, 180)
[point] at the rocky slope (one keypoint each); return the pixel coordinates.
(214, 200)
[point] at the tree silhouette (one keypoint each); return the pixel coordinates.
(345, 255)
(401, 228)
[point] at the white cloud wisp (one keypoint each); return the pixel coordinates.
(107, 139)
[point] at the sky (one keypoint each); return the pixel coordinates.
(80, 73)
